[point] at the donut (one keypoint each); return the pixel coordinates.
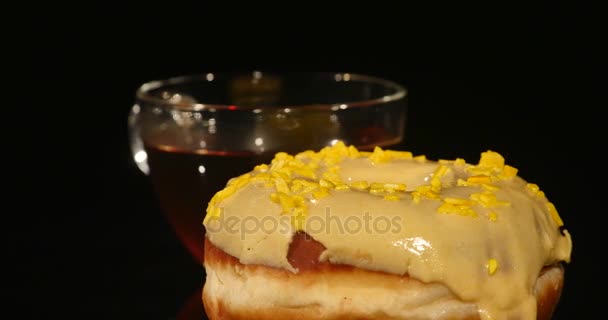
(341, 233)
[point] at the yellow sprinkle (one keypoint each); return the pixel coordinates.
(533, 187)
(296, 163)
(326, 184)
(399, 154)
(376, 185)
(440, 171)
(360, 185)
(335, 181)
(394, 186)
(509, 172)
(306, 154)
(479, 179)
(320, 193)
(437, 175)
(456, 209)
(313, 164)
(303, 186)
(277, 164)
(540, 194)
(333, 177)
(376, 191)
(341, 186)
(489, 187)
(554, 214)
(492, 266)
(274, 197)
(241, 181)
(261, 176)
(287, 202)
(261, 167)
(431, 195)
(435, 184)
(279, 174)
(285, 172)
(492, 216)
(420, 158)
(424, 191)
(379, 156)
(282, 156)
(297, 187)
(339, 149)
(491, 159)
(487, 199)
(304, 172)
(280, 185)
(212, 213)
(479, 171)
(416, 197)
(353, 152)
(459, 161)
(392, 197)
(462, 183)
(459, 201)
(298, 200)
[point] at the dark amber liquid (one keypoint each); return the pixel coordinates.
(185, 181)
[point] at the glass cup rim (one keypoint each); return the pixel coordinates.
(142, 94)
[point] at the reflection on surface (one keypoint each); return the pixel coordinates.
(416, 245)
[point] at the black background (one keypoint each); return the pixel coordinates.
(518, 80)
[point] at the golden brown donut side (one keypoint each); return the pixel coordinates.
(326, 279)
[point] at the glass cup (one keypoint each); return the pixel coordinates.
(191, 134)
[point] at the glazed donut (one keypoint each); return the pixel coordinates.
(345, 234)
